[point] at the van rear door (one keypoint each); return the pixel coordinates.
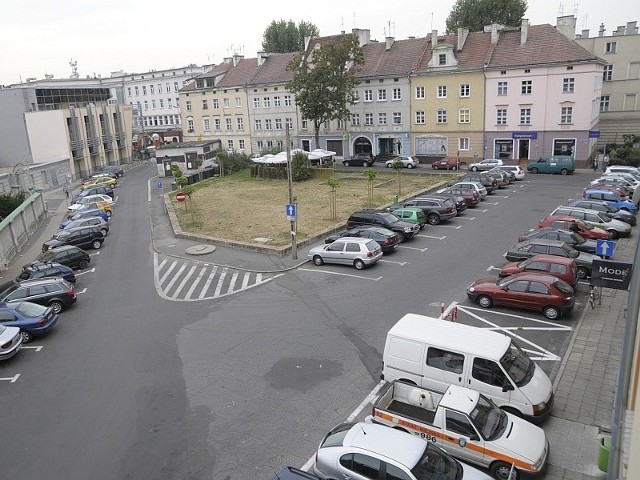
(403, 360)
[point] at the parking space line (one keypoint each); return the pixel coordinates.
(37, 348)
(456, 227)
(12, 379)
(94, 253)
(493, 268)
(493, 203)
(84, 290)
(422, 250)
(432, 236)
(391, 261)
(86, 271)
(338, 273)
(466, 218)
(499, 196)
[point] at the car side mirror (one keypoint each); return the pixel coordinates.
(506, 385)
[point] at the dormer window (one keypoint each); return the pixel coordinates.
(442, 59)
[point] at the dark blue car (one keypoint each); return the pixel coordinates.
(93, 212)
(32, 319)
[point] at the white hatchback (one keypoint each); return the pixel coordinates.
(408, 162)
(359, 252)
(99, 197)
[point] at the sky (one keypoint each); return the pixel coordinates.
(40, 37)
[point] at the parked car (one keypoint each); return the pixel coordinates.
(517, 170)
(567, 222)
(620, 183)
(99, 222)
(486, 164)
(54, 292)
(10, 342)
(437, 210)
(488, 182)
(511, 176)
(625, 176)
(608, 208)
(447, 163)
(612, 198)
(477, 186)
(531, 291)
(502, 178)
(574, 239)
(384, 219)
(387, 239)
(407, 162)
(99, 176)
(561, 267)
(617, 189)
(100, 181)
(292, 473)
(633, 171)
(458, 200)
(362, 159)
(115, 169)
(471, 197)
(104, 206)
(100, 197)
(101, 189)
(598, 219)
(359, 252)
(563, 164)
(69, 255)
(32, 319)
(368, 450)
(94, 212)
(83, 237)
(411, 215)
(53, 269)
(535, 246)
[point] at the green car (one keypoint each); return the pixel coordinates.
(412, 215)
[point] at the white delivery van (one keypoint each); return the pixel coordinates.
(434, 354)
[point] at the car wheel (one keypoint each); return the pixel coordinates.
(365, 164)
(26, 336)
(346, 164)
(454, 168)
(502, 471)
(56, 305)
(96, 244)
(359, 264)
(583, 273)
(317, 260)
(83, 264)
(434, 167)
(474, 169)
(104, 232)
(551, 312)
(564, 171)
(409, 165)
(534, 170)
(388, 165)
(108, 214)
(433, 219)
(614, 234)
(485, 301)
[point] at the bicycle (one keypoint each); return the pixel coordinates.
(594, 296)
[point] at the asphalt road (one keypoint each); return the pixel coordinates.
(134, 385)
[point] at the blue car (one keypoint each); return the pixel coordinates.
(32, 319)
(93, 212)
(610, 197)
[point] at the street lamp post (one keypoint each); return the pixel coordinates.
(294, 245)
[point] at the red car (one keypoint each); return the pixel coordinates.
(447, 163)
(471, 197)
(531, 291)
(563, 268)
(576, 225)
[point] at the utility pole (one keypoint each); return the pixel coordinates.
(294, 245)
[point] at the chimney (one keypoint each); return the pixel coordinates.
(601, 31)
(463, 33)
(262, 57)
(364, 35)
(585, 33)
(567, 26)
(495, 33)
(236, 58)
(388, 42)
(434, 39)
(631, 28)
(524, 31)
(619, 30)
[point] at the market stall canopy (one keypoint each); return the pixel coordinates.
(282, 156)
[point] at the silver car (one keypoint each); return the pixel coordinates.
(359, 252)
(486, 164)
(362, 451)
(598, 219)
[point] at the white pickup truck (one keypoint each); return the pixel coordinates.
(467, 425)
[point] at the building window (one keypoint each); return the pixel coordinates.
(368, 95)
(604, 103)
(276, 101)
(419, 92)
(368, 118)
(205, 125)
(607, 74)
(278, 123)
(568, 85)
(501, 116)
(129, 91)
(355, 119)
(227, 121)
(326, 125)
(502, 88)
(230, 145)
(161, 103)
(441, 116)
(137, 91)
(397, 94)
(238, 102)
(287, 100)
(217, 124)
(240, 124)
(397, 118)
(153, 104)
(611, 47)
(525, 116)
(215, 103)
(190, 125)
(205, 105)
(465, 90)
(339, 124)
(188, 105)
(259, 144)
(566, 115)
(442, 59)
(241, 145)
(464, 115)
(305, 124)
(175, 86)
(169, 102)
(152, 89)
(382, 95)
(146, 105)
(144, 90)
(256, 102)
(382, 118)
(225, 102)
(420, 117)
(267, 102)
(442, 91)
(258, 124)
(526, 87)
(167, 87)
(289, 123)
(463, 143)
(267, 124)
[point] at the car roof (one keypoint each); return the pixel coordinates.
(387, 442)
(38, 281)
(535, 276)
(541, 241)
(354, 239)
(543, 257)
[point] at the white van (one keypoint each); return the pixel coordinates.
(434, 354)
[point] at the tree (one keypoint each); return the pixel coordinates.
(475, 14)
(324, 82)
(300, 167)
(284, 37)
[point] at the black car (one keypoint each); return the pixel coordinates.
(435, 209)
(457, 199)
(45, 270)
(69, 255)
(576, 240)
(54, 292)
(387, 239)
(83, 237)
(489, 183)
(384, 219)
(362, 159)
(605, 207)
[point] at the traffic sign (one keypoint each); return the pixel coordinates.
(605, 248)
(290, 211)
(180, 196)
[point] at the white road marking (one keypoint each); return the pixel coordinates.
(493, 268)
(12, 379)
(432, 236)
(466, 218)
(232, 283)
(397, 263)
(94, 253)
(168, 272)
(84, 290)
(220, 282)
(411, 248)
(493, 203)
(196, 281)
(37, 348)
(175, 277)
(86, 271)
(457, 227)
(184, 281)
(338, 273)
(205, 288)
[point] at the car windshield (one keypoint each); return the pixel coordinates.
(563, 286)
(389, 217)
(570, 251)
(604, 217)
(46, 257)
(434, 463)
(583, 225)
(611, 208)
(61, 235)
(28, 309)
(490, 420)
(517, 365)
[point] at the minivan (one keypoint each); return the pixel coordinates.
(433, 353)
(564, 164)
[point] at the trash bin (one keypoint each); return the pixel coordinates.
(395, 199)
(603, 453)
(174, 186)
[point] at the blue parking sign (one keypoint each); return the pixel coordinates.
(290, 210)
(605, 248)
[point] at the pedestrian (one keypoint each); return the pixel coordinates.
(595, 164)
(66, 191)
(635, 198)
(605, 163)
